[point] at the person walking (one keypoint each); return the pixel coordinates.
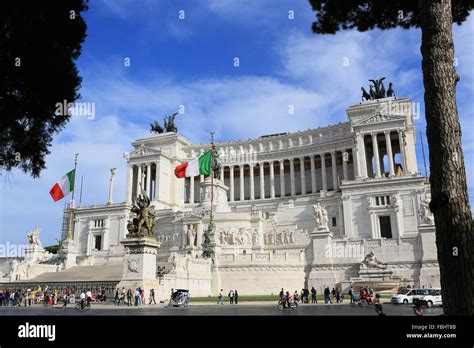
(82, 298)
(123, 294)
(139, 295)
(236, 297)
(152, 296)
(351, 294)
(117, 297)
(313, 295)
(378, 309)
(89, 297)
(327, 293)
(417, 310)
(129, 297)
(220, 299)
(338, 296)
(231, 296)
(65, 300)
(136, 294)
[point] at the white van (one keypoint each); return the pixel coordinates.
(406, 296)
(433, 298)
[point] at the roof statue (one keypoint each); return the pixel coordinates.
(377, 90)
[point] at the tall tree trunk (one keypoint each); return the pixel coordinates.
(449, 200)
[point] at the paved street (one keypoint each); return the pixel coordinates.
(258, 308)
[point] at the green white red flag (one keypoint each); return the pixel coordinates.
(195, 167)
(63, 187)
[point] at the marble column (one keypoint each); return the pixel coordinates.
(335, 183)
(375, 146)
(157, 183)
(292, 176)
(191, 189)
(242, 188)
(345, 154)
(323, 171)
(302, 176)
(221, 173)
(282, 178)
(148, 179)
(362, 156)
(231, 182)
(201, 179)
(252, 184)
(402, 151)
(313, 175)
(128, 194)
(139, 179)
(262, 181)
(272, 180)
(355, 161)
(388, 142)
(340, 219)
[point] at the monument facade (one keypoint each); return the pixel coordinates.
(332, 206)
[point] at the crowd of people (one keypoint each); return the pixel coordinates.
(233, 297)
(49, 296)
(131, 297)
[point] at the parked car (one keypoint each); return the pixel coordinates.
(406, 296)
(180, 298)
(432, 298)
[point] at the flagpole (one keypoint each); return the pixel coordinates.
(80, 196)
(211, 218)
(74, 181)
(69, 230)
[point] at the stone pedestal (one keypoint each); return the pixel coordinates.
(34, 252)
(379, 279)
(139, 263)
(321, 273)
(70, 252)
(219, 191)
(429, 271)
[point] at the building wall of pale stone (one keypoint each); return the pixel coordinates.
(266, 243)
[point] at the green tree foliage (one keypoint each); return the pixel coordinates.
(39, 44)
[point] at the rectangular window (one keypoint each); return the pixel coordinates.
(334, 221)
(382, 199)
(377, 201)
(388, 200)
(385, 227)
(98, 242)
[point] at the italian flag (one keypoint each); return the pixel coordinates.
(198, 166)
(63, 187)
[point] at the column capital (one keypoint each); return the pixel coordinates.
(241, 166)
(387, 132)
(251, 165)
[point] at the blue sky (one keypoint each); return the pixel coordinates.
(190, 62)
